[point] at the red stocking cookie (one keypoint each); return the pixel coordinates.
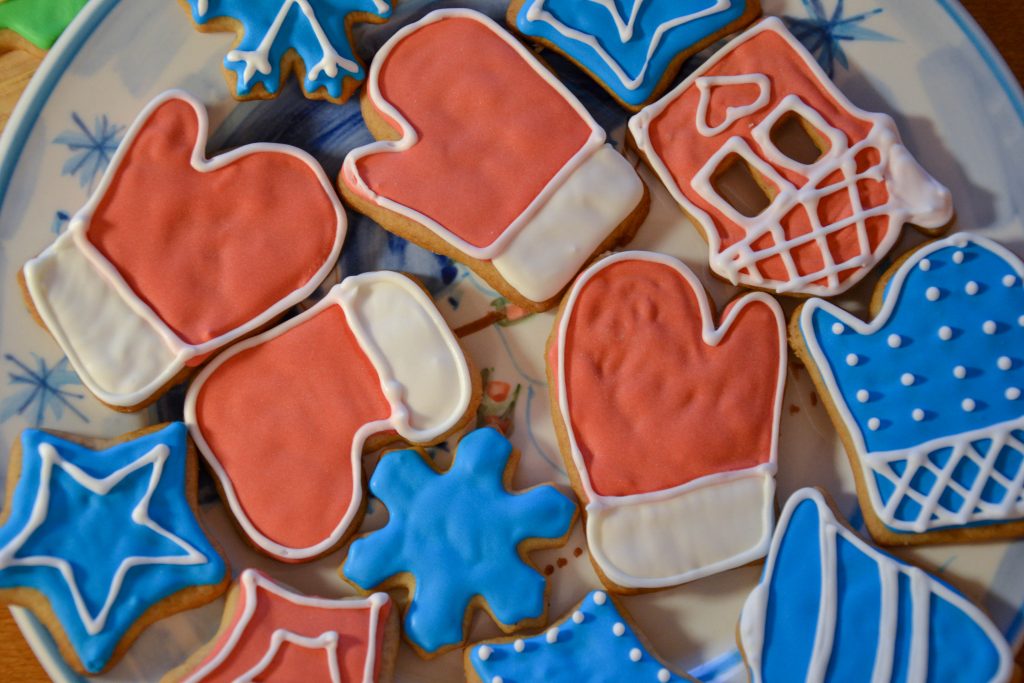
(666, 418)
(283, 418)
(486, 157)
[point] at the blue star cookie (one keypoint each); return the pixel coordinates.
(592, 644)
(277, 37)
(103, 536)
(832, 608)
(631, 47)
(459, 537)
(930, 392)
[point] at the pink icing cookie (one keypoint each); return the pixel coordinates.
(177, 255)
(283, 418)
(666, 417)
(504, 169)
(827, 211)
(270, 632)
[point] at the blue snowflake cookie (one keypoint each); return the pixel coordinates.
(832, 608)
(93, 539)
(457, 540)
(276, 37)
(929, 393)
(633, 48)
(592, 644)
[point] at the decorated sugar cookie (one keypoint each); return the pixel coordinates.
(795, 189)
(832, 608)
(484, 156)
(283, 418)
(666, 414)
(311, 39)
(458, 541)
(633, 50)
(177, 255)
(928, 395)
(591, 644)
(270, 632)
(100, 538)
(35, 25)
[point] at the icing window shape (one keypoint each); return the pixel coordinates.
(593, 642)
(507, 172)
(270, 632)
(830, 607)
(633, 49)
(458, 540)
(104, 535)
(283, 418)
(276, 38)
(665, 412)
(260, 229)
(834, 183)
(929, 391)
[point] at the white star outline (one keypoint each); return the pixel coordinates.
(157, 457)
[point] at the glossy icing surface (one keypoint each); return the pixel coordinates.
(832, 608)
(592, 644)
(40, 23)
(457, 533)
(104, 535)
(628, 47)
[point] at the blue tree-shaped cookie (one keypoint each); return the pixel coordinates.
(457, 536)
(316, 30)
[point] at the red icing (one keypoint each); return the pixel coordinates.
(210, 251)
(652, 405)
(492, 132)
(281, 418)
(685, 151)
(294, 663)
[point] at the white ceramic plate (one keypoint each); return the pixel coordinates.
(923, 61)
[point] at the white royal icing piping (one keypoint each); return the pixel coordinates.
(753, 616)
(119, 319)
(624, 27)
(250, 581)
(913, 195)
(409, 138)
(412, 376)
(51, 458)
(623, 543)
(974, 509)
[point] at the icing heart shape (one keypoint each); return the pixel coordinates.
(283, 417)
(736, 96)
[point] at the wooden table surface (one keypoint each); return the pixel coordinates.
(1003, 20)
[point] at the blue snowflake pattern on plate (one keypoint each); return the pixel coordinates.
(40, 391)
(91, 148)
(824, 32)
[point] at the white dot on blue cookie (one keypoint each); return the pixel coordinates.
(593, 642)
(932, 382)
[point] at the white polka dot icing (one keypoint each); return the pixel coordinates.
(917, 415)
(968, 405)
(635, 654)
(838, 328)
(1009, 280)
(895, 341)
(852, 360)
(933, 294)
(863, 396)
(990, 327)
(971, 288)
(907, 379)
(1012, 394)
(960, 372)
(1004, 363)
(945, 333)
(577, 617)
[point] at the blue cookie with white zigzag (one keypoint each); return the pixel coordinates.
(928, 395)
(832, 608)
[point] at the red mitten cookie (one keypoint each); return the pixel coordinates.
(486, 157)
(283, 418)
(668, 420)
(176, 255)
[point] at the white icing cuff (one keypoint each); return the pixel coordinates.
(422, 369)
(929, 204)
(112, 344)
(670, 540)
(542, 258)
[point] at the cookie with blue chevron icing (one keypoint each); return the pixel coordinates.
(832, 608)
(928, 395)
(632, 48)
(593, 643)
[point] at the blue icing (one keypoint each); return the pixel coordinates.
(957, 646)
(937, 390)
(584, 652)
(596, 20)
(268, 40)
(94, 533)
(458, 534)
